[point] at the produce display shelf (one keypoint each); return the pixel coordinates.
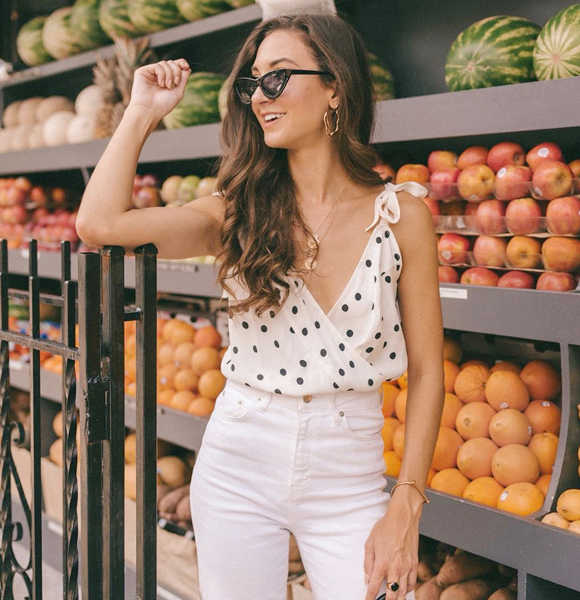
(180, 33)
(539, 549)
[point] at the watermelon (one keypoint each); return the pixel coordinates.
(85, 22)
(223, 99)
(114, 18)
(493, 51)
(148, 16)
(557, 50)
(239, 3)
(381, 77)
(58, 36)
(192, 10)
(199, 104)
(29, 43)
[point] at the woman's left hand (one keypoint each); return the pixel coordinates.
(392, 551)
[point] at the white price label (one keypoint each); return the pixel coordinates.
(457, 293)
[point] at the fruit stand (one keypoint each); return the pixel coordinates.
(413, 40)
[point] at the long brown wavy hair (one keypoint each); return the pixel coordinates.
(260, 202)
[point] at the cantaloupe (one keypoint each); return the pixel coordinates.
(10, 114)
(27, 110)
(51, 105)
(6, 139)
(36, 136)
(20, 137)
(57, 424)
(89, 101)
(55, 128)
(173, 471)
(55, 452)
(81, 129)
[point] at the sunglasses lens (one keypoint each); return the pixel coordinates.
(245, 89)
(273, 84)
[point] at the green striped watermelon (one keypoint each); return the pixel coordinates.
(240, 3)
(58, 36)
(199, 104)
(493, 51)
(114, 18)
(29, 43)
(85, 22)
(381, 77)
(193, 10)
(557, 50)
(154, 15)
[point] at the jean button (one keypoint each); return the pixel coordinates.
(307, 398)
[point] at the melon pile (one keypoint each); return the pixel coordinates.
(188, 365)
(499, 431)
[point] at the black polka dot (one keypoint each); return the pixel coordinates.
(341, 346)
(393, 355)
(387, 234)
(371, 382)
(373, 306)
(350, 390)
(247, 384)
(317, 324)
(282, 371)
(375, 279)
(260, 377)
(357, 296)
(277, 391)
(350, 333)
(272, 314)
(398, 267)
(235, 349)
(292, 330)
(383, 273)
(388, 279)
(397, 256)
(233, 367)
(368, 263)
(345, 307)
(245, 324)
(303, 363)
(295, 310)
(276, 343)
(385, 345)
(379, 240)
(335, 385)
(396, 328)
(323, 352)
(369, 350)
(341, 371)
(229, 361)
(254, 349)
(378, 335)
(351, 364)
(300, 381)
(264, 328)
(296, 284)
(305, 331)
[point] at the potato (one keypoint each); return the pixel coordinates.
(463, 566)
(424, 571)
(183, 509)
(162, 491)
(168, 504)
(473, 589)
(430, 590)
(503, 594)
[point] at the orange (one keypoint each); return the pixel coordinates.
(185, 379)
(182, 399)
(450, 481)
(506, 365)
(473, 420)
(485, 490)
(506, 390)
(167, 330)
(399, 440)
(543, 379)
(166, 375)
(403, 380)
(452, 350)
(388, 432)
(451, 407)
(470, 383)
(208, 336)
(543, 482)
(204, 359)
(392, 463)
(473, 362)
(211, 383)
(521, 498)
(556, 520)
(389, 395)
(130, 370)
(510, 426)
(446, 448)
(131, 346)
(545, 447)
(165, 353)
(161, 322)
(430, 476)
(182, 332)
(222, 352)
(131, 388)
(401, 405)
(568, 505)
(450, 371)
(201, 406)
(544, 416)
(474, 457)
(515, 463)
(164, 396)
(183, 352)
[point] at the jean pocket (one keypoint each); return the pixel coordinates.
(363, 423)
(234, 406)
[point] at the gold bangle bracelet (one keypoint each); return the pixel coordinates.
(414, 484)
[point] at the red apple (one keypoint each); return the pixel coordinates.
(552, 179)
(453, 248)
(470, 208)
(479, 276)
(504, 154)
(575, 166)
(490, 217)
(516, 279)
(474, 155)
(418, 173)
(489, 251)
(448, 274)
(513, 182)
(386, 172)
(147, 197)
(444, 183)
(23, 184)
(523, 215)
(441, 159)
(455, 207)
(523, 252)
(476, 183)
(149, 180)
(15, 196)
(563, 216)
(433, 205)
(38, 196)
(545, 151)
(561, 254)
(19, 214)
(556, 282)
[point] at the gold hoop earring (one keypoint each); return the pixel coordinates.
(327, 125)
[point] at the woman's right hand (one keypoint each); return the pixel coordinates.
(159, 87)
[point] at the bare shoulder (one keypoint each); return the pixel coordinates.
(415, 223)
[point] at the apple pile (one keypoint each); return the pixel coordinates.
(177, 190)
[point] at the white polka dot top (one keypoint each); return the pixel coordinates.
(358, 345)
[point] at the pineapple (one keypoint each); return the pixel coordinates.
(104, 77)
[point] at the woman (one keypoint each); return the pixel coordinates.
(316, 304)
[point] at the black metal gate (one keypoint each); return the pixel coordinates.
(97, 305)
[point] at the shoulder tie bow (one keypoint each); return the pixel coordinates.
(387, 203)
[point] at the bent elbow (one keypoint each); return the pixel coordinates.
(88, 234)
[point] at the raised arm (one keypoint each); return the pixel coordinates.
(105, 216)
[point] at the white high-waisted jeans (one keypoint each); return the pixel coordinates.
(272, 464)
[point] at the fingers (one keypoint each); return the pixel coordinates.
(168, 73)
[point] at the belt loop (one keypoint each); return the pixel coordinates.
(263, 399)
(334, 409)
